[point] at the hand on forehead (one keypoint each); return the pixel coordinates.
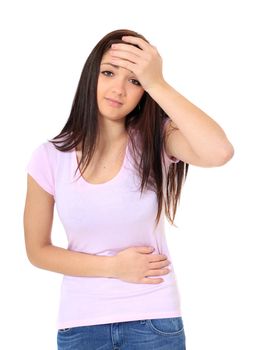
(107, 60)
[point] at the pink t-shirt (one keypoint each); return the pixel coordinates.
(103, 219)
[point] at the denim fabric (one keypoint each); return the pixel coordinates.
(151, 334)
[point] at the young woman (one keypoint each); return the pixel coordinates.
(130, 137)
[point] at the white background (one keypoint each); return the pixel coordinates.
(209, 50)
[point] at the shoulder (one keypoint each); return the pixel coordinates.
(45, 153)
(51, 149)
(45, 146)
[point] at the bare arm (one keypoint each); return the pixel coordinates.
(197, 139)
(134, 264)
(73, 263)
(38, 219)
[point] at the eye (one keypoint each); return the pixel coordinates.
(135, 82)
(107, 73)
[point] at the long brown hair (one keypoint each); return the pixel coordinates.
(146, 120)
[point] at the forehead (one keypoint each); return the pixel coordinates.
(107, 59)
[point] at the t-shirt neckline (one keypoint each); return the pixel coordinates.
(114, 179)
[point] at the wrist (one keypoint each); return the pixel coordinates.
(157, 87)
(111, 267)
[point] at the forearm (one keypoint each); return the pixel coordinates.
(203, 134)
(73, 263)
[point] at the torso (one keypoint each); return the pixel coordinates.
(103, 166)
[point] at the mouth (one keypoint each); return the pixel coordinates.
(113, 102)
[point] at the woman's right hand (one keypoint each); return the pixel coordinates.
(137, 264)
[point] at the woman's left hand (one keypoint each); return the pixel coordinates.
(145, 63)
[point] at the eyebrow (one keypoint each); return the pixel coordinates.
(113, 65)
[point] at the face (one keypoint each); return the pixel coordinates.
(118, 90)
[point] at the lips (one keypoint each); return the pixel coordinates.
(115, 102)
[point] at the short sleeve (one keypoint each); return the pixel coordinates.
(168, 159)
(41, 167)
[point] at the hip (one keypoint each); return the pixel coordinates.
(158, 333)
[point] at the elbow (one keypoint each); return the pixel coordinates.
(225, 155)
(34, 255)
(32, 258)
(30, 251)
(215, 158)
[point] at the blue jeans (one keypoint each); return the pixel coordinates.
(152, 334)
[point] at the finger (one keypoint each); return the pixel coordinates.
(124, 55)
(159, 264)
(157, 257)
(124, 64)
(126, 47)
(157, 272)
(152, 280)
(137, 41)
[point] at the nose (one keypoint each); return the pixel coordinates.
(119, 87)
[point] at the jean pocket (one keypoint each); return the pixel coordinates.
(166, 326)
(64, 330)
